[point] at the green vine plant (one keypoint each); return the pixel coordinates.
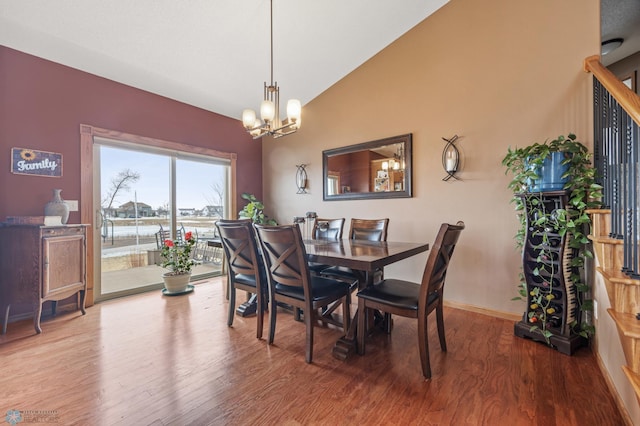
(254, 210)
(550, 225)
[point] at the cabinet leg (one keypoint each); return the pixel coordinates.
(36, 319)
(6, 319)
(82, 298)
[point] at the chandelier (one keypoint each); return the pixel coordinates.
(269, 122)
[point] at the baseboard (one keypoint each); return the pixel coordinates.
(47, 312)
(612, 389)
(22, 316)
(490, 312)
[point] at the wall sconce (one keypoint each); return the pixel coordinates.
(301, 179)
(450, 158)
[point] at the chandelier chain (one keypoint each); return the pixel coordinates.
(271, 27)
(269, 122)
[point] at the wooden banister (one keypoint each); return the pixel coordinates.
(627, 99)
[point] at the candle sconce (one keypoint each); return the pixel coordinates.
(301, 179)
(450, 158)
(300, 221)
(310, 219)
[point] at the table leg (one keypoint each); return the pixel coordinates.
(348, 344)
(249, 307)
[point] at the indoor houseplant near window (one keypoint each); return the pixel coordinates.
(561, 166)
(176, 256)
(254, 210)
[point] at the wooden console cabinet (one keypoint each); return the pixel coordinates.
(41, 263)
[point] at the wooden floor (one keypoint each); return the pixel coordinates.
(171, 360)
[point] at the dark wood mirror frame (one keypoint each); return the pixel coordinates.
(366, 170)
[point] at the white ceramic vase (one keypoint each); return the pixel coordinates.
(57, 207)
(176, 283)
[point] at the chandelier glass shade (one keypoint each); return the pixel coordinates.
(269, 122)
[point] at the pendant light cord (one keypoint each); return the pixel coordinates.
(271, 24)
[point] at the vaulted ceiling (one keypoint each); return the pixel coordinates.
(213, 54)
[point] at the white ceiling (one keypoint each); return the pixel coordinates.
(213, 54)
(620, 19)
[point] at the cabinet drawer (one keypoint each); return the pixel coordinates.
(59, 231)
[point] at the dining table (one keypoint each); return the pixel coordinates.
(364, 257)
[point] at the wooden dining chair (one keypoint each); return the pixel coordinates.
(414, 300)
(245, 267)
(290, 281)
(360, 229)
(369, 229)
(325, 230)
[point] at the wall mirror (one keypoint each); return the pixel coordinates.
(376, 169)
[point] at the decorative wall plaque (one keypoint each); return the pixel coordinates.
(25, 161)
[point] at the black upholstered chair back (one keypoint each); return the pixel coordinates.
(327, 229)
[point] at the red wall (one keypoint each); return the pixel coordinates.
(42, 105)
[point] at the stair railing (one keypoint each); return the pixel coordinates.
(616, 110)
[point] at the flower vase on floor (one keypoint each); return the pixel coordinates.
(176, 283)
(176, 256)
(57, 207)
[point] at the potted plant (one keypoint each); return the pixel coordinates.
(177, 258)
(571, 171)
(254, 210)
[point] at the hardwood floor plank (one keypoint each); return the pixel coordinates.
(156, 360)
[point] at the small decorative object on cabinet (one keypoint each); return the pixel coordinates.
(552, 208)
(41, 263)
(57, 207)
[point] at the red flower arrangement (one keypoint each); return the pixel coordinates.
(177, 255)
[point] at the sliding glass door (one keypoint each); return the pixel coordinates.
(146, 194)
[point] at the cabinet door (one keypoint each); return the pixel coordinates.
(64, 265)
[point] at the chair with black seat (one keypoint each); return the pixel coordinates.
(325, 230)
(360, 229)
(290, 281)
(245, 267)
(414, 300)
